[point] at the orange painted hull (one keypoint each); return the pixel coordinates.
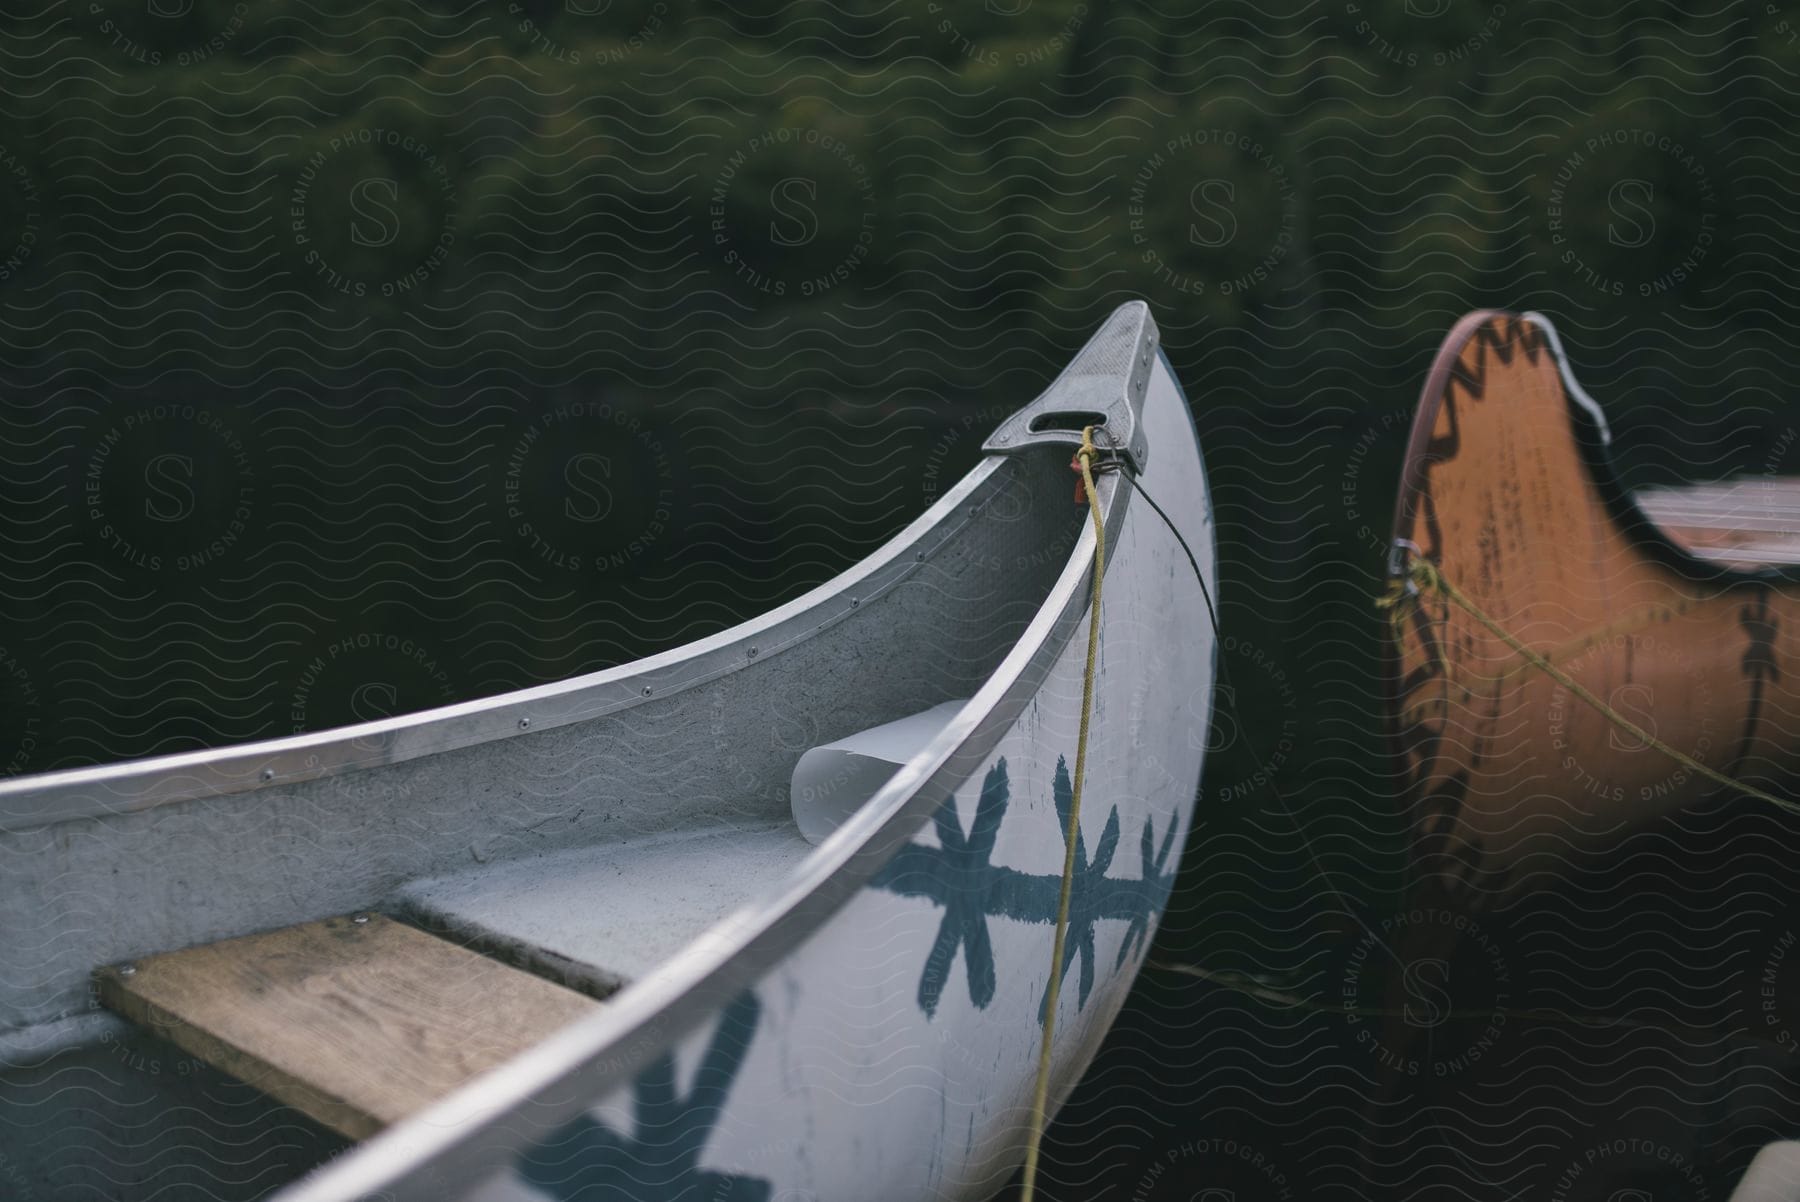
(1507, 487)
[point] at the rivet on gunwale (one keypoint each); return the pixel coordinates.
(268, 774)
(524, 723)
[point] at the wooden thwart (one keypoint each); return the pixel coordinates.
(357, 1024)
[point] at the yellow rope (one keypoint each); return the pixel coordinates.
(1472, 681)
(1040, 1100)
(1426, 576)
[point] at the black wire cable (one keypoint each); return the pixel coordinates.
(1118, 467)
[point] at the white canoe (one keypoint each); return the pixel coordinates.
(857, 1018)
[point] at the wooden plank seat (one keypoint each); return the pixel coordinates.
(358, 1021)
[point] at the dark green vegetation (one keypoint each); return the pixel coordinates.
(979, 182)
(800, 242)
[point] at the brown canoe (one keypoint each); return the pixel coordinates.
(1687, 628)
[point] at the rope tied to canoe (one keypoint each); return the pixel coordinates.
(1422, 576)
(1083, 464)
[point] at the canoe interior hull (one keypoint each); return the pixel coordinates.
(702, 774)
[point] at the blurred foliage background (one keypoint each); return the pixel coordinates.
(1401, 169)
(827, 230)
(353, 264)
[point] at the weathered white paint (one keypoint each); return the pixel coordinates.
(848, 1088)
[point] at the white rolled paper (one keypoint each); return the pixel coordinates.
(832, 782)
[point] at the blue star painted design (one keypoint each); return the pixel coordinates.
(959, 876)
(584, 1161)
